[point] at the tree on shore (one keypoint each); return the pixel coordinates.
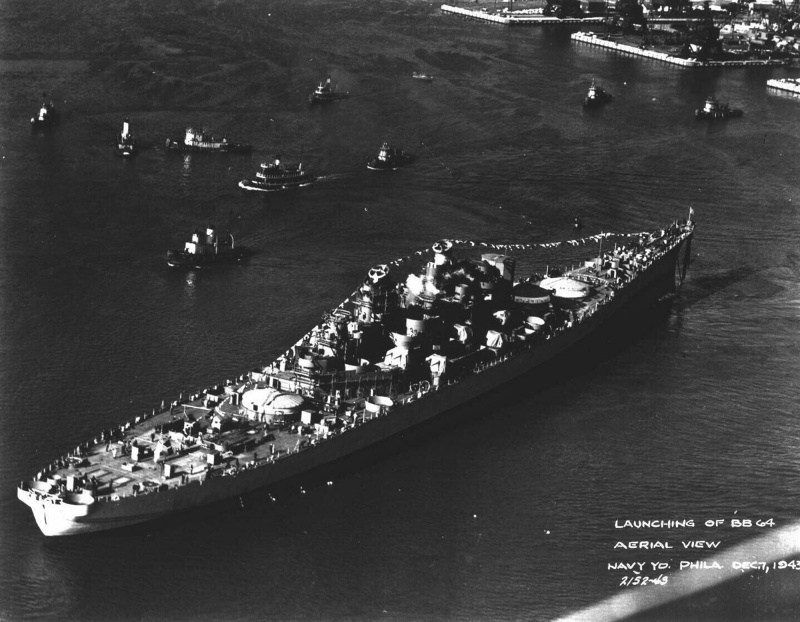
(677, 7)
(632, 14)
(564, 8)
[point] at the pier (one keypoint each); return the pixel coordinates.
(517, 19)
(591, 38)
(787, 85)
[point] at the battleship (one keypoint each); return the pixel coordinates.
(419, 336)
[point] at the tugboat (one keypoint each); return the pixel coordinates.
(422, 76)
(714, 110)
(197, 141)
(207, 250)
(389, 158)
(596, 97)
(46, 117)
(126, 143)
(324, 93)
(276, 176)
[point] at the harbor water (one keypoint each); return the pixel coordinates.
(513, 508)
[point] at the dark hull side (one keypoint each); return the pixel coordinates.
(323, 99)
(180, 147)
(391, 165)
(596, 102)
(180, 259)
(730, 114)
(274, 186)
(43, 126)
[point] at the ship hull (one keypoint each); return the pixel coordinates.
(704, 115)
(390, 165)
(179, 259)
(45, 125)
(255, 186)
(634, 300)
(180, 147)
(126, 150)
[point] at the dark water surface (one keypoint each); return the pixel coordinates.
(507, 511)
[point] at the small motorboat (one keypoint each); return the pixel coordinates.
(197, 141)
(422, 76)
(324, 93)
(577, 223)
(126, 142)
(389, 158)
(206, 250)
(712, 109)
(46, 117)
(275, 175)
(596, 97)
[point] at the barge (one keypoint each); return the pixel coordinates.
(788, 85)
